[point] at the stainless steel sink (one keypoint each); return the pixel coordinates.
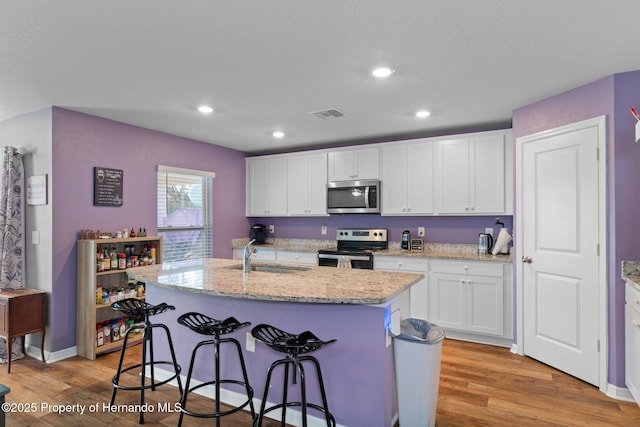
(272, 268)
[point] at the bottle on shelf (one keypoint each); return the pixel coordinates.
(114, 259)
(99, 335)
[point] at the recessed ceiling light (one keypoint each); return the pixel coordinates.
(382, 72)
(278, 134)
(422, 114)
(205, 109)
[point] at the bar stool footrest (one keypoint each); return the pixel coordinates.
(153, 384)
(223, 413)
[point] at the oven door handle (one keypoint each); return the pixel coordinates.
(350, 257)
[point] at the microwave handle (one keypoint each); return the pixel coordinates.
(366, 196)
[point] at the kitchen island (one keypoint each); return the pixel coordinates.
(353, 306)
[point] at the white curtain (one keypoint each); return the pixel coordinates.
(12, 234)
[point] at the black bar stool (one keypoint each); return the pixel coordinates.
(140, 310)
(206, 325)
(293, 346)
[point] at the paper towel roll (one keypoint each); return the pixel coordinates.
(502, 241)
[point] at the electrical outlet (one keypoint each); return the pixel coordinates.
(420, 231)
(251, 343)
(272, 229)
(488, 230)
(323, 230)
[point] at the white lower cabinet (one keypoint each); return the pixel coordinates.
(418, 292)
(261, 254)
(632, 340)
(264, 254)
(472, 297)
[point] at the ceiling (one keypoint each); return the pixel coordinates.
(267, 65)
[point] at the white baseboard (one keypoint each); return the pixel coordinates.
(619, 393)
(233, 398)
(50, 357)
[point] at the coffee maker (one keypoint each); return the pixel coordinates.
(406, 237)
(258, 233)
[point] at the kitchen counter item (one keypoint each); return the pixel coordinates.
(485, 243)
(502, 242)
(258, 232)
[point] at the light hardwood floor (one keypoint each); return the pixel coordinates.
(479, 386)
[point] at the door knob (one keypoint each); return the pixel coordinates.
(526, 259)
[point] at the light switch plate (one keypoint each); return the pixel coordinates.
(35, 237)
(420, 231)
(323, 230)
(272, 229)
(488, 230)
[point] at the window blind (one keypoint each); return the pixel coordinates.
(185, 201)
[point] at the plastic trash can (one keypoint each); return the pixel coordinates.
(417, 352)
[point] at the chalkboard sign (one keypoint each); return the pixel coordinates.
(107, 186)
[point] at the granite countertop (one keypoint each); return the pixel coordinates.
(451, 251)
(224, 277)
(631, 272)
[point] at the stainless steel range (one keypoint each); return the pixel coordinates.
(355, 247)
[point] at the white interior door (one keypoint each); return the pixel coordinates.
(559, 223)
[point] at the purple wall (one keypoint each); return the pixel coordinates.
(439, 229)
(81, 142)
(611, 96)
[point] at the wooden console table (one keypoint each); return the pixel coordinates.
(22, 312)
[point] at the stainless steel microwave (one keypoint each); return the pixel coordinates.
(347, 197)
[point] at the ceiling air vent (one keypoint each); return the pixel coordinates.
(330, 114)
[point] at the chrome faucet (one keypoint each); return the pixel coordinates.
(246, 256)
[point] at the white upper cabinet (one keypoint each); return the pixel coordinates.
(472, 176)
(356, 163)
(407, 178)
(459, 175)
(307, 184)
(266, 186)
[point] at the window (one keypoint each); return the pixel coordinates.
(184, 213)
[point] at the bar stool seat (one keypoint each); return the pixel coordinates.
(205, 325)
(296, 348)
(142, 311)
